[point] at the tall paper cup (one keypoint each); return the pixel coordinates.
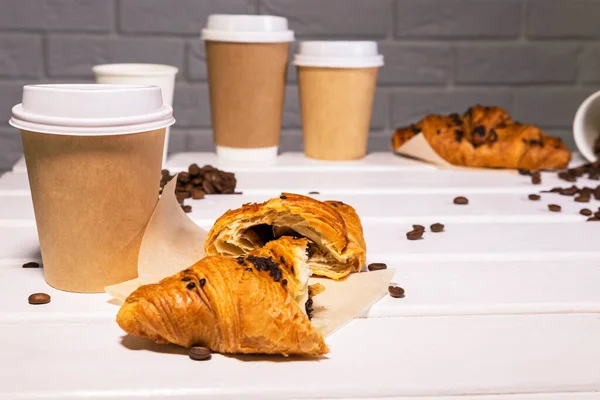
(247, 64)
(159, 75)
(336, 83)
(93, 155)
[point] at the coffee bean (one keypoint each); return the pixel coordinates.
(39, 298)
(554, 207)
(186, 209)
(534, 197)
(569, 191)
(376, 266)
(582, 199)
(198, 194)
(418, 227)
(536, 179)
(199, 353)
(396, 291)
(597, 214)
(590, 219)
(461, 200)
(585, 211)
(314, 193)
(437, 227)
(31, 264)
(414, 235)
(567, 176)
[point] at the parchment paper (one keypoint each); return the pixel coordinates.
(173, 242)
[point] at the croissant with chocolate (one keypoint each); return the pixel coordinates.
(257, 303)
(487, 137)
(336, 242)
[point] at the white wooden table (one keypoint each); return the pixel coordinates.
(502, 305)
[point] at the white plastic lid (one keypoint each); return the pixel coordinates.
(247, 29)
(338, 54)
(134, 69)
(91, 109)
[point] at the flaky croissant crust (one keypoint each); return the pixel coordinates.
(337, 243)
(254, 304)
(487, 137)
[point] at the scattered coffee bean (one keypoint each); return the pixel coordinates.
(567, 176)
(582, 199)
(314, 193)
(590, 219)
(396, 291)
(461, 200)
(418, 227)
(554, 207)
(536, 178)
(186, 208)
(39, 298)
(534, 197)
(586, 211)
(597, 214)
(376, 266)
(198, 194)
(437, 227)
(414, 235)
(569, 191)
(199, 353)
(31, 264)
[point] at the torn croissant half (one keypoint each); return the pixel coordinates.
(336, 242)
(258, 304)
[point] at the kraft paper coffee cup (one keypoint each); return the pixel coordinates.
(247, 62)
(336, 83)
(159, 75)
(586, 126)
(93, 155)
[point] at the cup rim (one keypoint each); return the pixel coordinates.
(134, 69)
(578, 128)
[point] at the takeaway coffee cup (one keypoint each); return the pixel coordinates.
(336, 81)
(247, 62)
(93, 155)
(586, 126)
(159, 75)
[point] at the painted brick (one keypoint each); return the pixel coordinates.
(549, 107)
(20, 56)
(10, 148)
(191, 106)
(562, 19)
(178, 142)
(74, 56)
(180, 16)
(410, 105)
(516, 63)
(58, 15)
(589, 69)
(335, 18)
(458, 19)
(415, 64)
(200, 140)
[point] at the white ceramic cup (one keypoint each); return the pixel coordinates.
(159, 75)
(586, 126)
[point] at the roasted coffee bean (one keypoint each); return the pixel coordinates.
(585, 211)
(536, 179)
(534, 197)
(186, 208)
(567, 176)
(590, 219)
(414, 235)
(39, 298)
(396, 291)
(523, 171)
(376, 266)
(461, 200)
(31, 264)
(569, 191)
(437, 227)
(198, 194)
(554, 207)
(194, 170)
(597, 214)
(199, 353)
(582, 199)
(418, 227)
(314, 193)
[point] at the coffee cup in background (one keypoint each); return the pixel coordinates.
(246, 58)
(159, 75)
(93, 155)
(586, 126)
(336, 81)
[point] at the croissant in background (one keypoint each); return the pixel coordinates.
(336, 242)
(258, 303)
(487, 137)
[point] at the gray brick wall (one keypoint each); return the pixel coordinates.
(537, 58)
